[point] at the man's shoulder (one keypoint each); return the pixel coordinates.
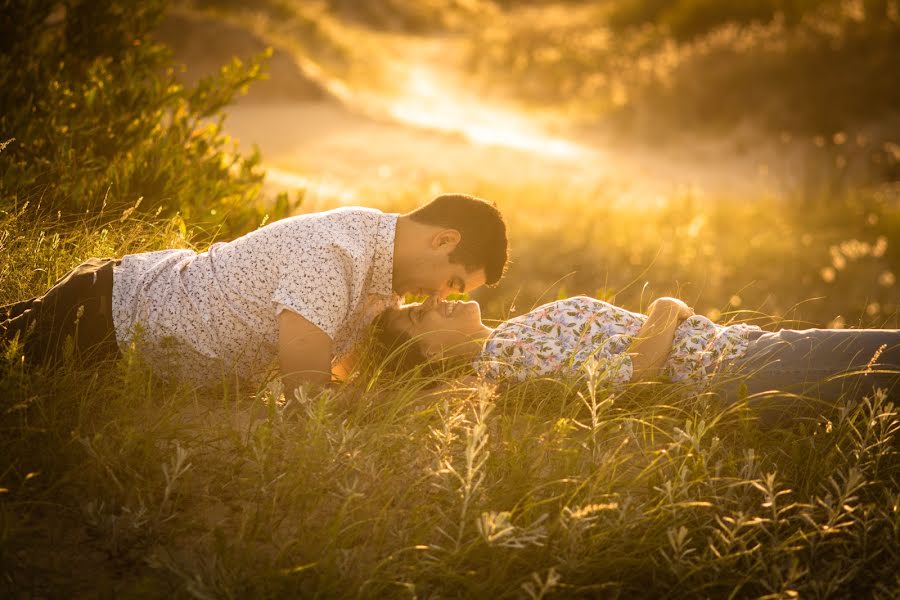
(349, 232)
(344, 213)
(344, 219)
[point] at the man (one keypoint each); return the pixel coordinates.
(297, 293)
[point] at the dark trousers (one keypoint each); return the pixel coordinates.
(786, 373)
(78, 307)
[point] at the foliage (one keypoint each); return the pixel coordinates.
(704, 66)
(115, 483)
(95, 117)
(423, 16)
(380, 489)
(646, 67)
(690, 18)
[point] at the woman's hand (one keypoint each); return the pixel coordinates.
(651, 346)
(683, 311)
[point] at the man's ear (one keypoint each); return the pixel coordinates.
(446, 239)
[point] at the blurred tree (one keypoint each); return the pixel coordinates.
(687, 19)
(96, 116)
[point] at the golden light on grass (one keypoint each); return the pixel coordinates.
(431, 103)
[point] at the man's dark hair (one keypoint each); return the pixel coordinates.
(482, 244)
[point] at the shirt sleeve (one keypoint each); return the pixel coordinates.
(317, 287)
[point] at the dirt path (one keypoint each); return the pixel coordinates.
(325, 142)
(325, 138)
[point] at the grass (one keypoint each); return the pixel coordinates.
(116, 483)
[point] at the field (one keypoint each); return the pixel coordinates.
(117, 483)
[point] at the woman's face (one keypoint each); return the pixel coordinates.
(442, 329)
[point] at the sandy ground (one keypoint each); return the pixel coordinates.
(323, 140)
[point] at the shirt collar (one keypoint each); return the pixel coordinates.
(382, 282)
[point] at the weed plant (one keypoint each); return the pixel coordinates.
(92, 117)
(115, 482)
(119, 484)
(699, 66)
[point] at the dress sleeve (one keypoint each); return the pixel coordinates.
(610, 362)
(513, 354)
(495, 369)
(317, 287)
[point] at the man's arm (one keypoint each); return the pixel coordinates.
(651, 347)
(304, 351)
(341, 370)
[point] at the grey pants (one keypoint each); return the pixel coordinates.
(789, 372)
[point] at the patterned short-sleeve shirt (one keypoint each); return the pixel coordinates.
(213, 315)
(579, 335)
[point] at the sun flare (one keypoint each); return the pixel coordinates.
(430, 103)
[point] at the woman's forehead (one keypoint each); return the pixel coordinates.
(405, 308)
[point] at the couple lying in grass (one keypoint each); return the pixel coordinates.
(298, 294)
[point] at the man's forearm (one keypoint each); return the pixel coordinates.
(304, 351)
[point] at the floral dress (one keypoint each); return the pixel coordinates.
(581, 335)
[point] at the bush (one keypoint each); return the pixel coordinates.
(687, 19)
(95, 116)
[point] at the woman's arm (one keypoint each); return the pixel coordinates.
(653, 342)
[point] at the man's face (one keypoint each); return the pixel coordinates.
(433, 274)
(445, 278)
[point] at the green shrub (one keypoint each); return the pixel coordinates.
(96, 116)
(687, 19)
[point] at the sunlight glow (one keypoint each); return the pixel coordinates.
(430, 105)
(314, 189)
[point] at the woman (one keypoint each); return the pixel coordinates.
(581, 335)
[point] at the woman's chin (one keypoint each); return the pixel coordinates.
(474, 310)
(471, 318)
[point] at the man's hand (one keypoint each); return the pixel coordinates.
(304, 351)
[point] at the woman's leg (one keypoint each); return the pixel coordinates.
(782, 369)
